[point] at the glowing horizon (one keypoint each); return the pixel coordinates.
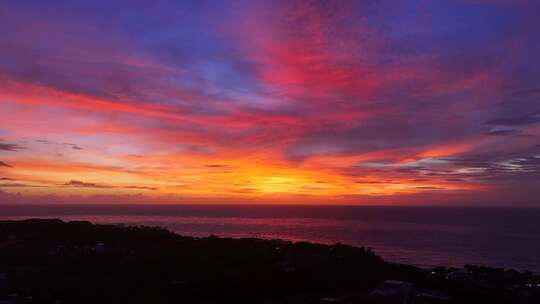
(270, 102)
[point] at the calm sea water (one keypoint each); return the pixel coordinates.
(423, 236)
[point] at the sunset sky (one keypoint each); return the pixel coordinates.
(301, 102)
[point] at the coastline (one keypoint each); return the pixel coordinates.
(254, 270)
(503, 238)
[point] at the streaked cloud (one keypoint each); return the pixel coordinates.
(76, 183)
(4, 164)
(265, 101)
(10, 147)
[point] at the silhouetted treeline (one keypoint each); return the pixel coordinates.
(51, 261)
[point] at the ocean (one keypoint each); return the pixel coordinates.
(422, 236)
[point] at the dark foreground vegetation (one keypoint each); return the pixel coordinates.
(50, 261)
